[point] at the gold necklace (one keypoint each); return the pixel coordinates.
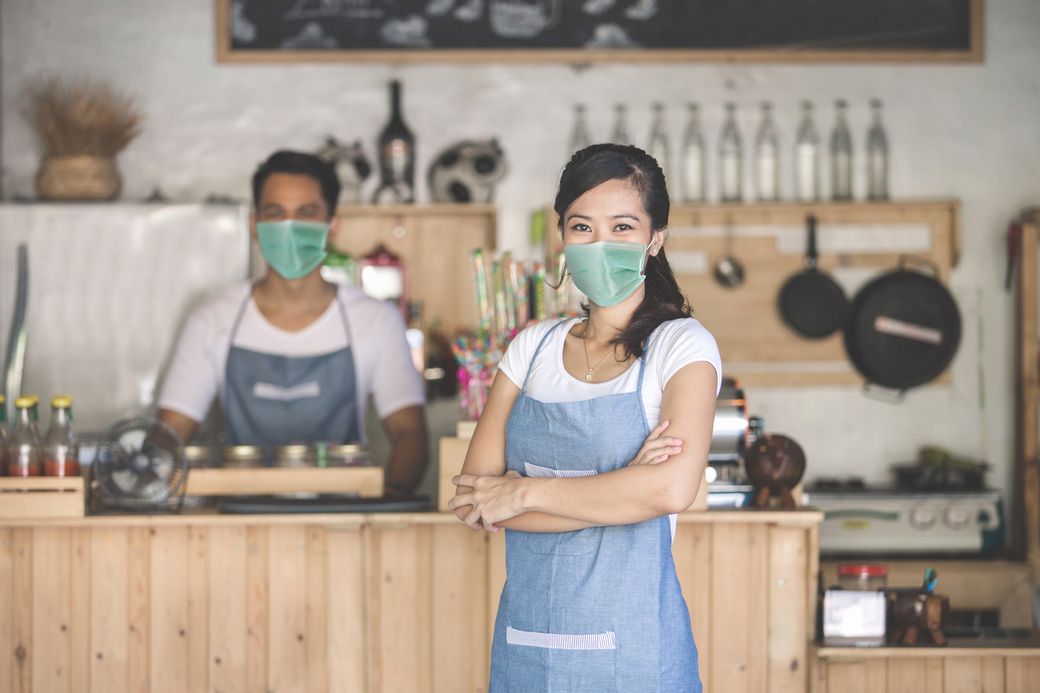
(585, 346)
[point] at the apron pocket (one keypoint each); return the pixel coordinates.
(575, 663)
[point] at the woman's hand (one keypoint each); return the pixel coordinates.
(494, 498)
(657, 449)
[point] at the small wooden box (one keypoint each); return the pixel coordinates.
(367, 482)
(42, 497)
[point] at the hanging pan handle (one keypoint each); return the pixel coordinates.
(880, 393)
(922, 265)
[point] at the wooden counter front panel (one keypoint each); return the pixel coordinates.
(385, 606)
(243, 608)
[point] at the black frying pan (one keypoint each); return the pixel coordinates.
(810, 302)
(904, 327)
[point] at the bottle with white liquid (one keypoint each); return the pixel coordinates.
(841, 154)
(580, 133)
(620, 135)
(694, 159)
(767, 157)
(731, 159)
(877, 155)
(807, 158)
(658, 145)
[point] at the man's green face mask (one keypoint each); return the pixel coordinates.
(605, 271)
(293, 247)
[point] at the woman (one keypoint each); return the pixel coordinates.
(595, 434)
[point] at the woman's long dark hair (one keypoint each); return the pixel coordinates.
(597, 164)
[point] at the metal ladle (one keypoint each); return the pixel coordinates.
(729, 271)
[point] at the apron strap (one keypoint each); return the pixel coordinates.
(238, 317)
(537, 350)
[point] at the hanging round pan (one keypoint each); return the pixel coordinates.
(811, 302)
(904, 327)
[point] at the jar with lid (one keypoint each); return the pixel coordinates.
(198, 456)
(3, 435)
(294, 456)
(243, 456)
(23, 448)
(862, 576)
(346, 456)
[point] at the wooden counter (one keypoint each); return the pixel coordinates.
(394, 603)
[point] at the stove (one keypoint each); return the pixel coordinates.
(860, 521)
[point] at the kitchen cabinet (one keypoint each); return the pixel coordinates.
(957, 668)
(434, 242)
(374, 603)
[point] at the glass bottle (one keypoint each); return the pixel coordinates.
(657, 147)
(23, 448)
(61, 444)
(807, 158)
(731, 159)
(841, 154)
(767, 157)
(3, 435)
(396, 155)
(580, 133)
(694, 159)
(877, 155)
(621, 134)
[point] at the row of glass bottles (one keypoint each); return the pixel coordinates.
(24, 453)
(693, 169)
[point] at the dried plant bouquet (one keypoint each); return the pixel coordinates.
(81, 118)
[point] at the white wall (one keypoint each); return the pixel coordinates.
(965, 131)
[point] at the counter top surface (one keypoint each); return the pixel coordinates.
(802, 517)
(955, 647)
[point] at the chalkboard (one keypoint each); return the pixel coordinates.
(593, 30)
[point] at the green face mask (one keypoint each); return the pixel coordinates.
(293, 247)
(606, 272)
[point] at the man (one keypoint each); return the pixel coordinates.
(292, 357)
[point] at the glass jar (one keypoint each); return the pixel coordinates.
(243, 456)
(348, 456)
(198, 456)
(862, 576)
(294, 456)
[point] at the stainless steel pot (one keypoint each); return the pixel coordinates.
(730, 434)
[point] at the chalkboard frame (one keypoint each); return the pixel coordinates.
(225, 53)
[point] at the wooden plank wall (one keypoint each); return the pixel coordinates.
(382, 608)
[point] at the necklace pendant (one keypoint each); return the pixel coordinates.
(588, 375)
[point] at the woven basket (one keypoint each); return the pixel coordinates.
(78, 178)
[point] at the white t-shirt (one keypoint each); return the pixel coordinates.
(674, 344)
(382, 361)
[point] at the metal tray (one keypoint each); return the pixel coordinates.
(327, 503)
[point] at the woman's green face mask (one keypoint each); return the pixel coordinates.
(293, 247)
(605, 271)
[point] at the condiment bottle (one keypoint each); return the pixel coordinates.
(23, 449)
(3, 435)
(580, 132)
(658, 145)
(620, 135)
(61, 445)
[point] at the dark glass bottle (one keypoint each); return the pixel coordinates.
(396, 155)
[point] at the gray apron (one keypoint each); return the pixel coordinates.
(271, 399)
(596, 610)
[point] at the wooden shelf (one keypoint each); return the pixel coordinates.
(367, 482)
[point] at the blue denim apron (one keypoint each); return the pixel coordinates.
(271, 399)
(596, 610)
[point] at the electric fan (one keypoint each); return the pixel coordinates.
(139, 466)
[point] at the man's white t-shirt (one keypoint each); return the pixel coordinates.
(673, 344)
(382, 360)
